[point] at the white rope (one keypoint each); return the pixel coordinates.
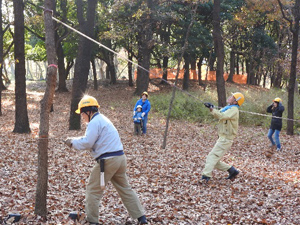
(98, 43)
(266, 115)
(123, 57)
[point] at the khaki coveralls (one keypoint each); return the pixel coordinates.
(227, 131)
(101, 137)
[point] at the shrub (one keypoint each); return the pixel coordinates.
(256, 101)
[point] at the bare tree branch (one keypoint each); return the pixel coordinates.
(35, 33)
(284, 16)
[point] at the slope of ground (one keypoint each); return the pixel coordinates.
(166, 180)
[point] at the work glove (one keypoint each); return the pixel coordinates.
(68, 142)
(143, 114)
(133, 112)
(209, 105)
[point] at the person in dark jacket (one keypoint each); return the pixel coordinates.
(276, 108)
(146, 106)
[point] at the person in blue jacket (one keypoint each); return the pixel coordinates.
(276, 108)
(146, 106)
(138, 120)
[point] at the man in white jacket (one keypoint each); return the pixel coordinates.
(103, 141)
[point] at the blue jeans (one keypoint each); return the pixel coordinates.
(145, 125)
(276, 136)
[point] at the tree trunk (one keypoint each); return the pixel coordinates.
(62, 86)
(62, 76)
(107, 72)
(211, 62)
(250, 72)
(130, 75)
(165, 70)
(68, 69)
(193, 66)
(47, 101)
(237, 64)
(279, 67)
(144, 52)
(166, 41)
(199, 66)
(294, 28)
(293, 71)
(82, 64)
(219, 47)
(243, 66)
(22, 122)
(231, 73)
(186, 77)
(142, 80)
(94, 74)
(278, 76)
(112, 70)
(1, 57)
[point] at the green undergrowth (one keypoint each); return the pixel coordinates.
(192, 109)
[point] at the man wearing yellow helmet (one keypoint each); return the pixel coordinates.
(103, 141)
(227, 130)
(276, 108)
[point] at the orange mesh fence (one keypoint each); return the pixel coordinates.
(211, 76)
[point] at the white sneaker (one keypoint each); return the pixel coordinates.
(271, 145)
(278, 149)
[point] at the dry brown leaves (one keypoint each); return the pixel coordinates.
(166, 180)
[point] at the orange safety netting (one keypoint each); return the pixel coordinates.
(211, 76)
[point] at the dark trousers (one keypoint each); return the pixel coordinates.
(137, 128)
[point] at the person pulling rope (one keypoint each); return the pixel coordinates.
(103, 141)
(227, 130)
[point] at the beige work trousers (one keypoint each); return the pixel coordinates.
(115, 171)
(216, 154)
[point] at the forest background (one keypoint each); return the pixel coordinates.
(258, 39)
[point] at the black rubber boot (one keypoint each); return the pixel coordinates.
(206, 178)
(142, 220)
(232, 173)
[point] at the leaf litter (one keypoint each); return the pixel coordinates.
(167, 181)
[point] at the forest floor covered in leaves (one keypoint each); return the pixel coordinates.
(167, 181)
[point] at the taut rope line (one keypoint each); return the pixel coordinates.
(123, 57)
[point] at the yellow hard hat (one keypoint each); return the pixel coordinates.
(277, 100)
(145, 93)
(87, 101)
(239, 97)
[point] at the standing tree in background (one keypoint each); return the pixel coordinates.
(22, 122)
(82, 65)
(47, 101)
(294, 28)
(219, 48)
(145, 45)
(1, 56)
(62, 76)
(183, 50)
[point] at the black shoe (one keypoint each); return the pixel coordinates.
(142, 220)
(232, 173)
(206, 178)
